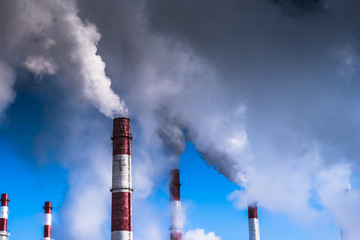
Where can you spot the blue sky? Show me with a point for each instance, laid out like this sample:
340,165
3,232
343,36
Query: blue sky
29,186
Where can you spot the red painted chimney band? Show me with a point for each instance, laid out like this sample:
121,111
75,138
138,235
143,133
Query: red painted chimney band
47,231
254,231
121,212
121,136
48,207
3,224
252,211
175,185
4,200
175,236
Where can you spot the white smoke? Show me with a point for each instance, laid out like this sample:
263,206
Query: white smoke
7,79
40,66
148,220
48,37
88,199
336,196
199,234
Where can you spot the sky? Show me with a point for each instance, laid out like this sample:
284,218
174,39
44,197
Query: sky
254,100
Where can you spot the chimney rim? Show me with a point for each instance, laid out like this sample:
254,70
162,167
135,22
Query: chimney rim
128,118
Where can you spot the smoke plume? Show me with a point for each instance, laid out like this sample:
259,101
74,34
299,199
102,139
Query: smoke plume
47,38
266,90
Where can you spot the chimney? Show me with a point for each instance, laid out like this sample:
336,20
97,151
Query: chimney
4,216
254,232
47,221
175,206
121,208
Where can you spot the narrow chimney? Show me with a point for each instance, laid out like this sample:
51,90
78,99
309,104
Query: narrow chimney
175,206
254,232
4,216
47,221
121,209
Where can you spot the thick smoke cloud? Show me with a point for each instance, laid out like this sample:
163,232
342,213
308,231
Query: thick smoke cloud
270,98
47,37
280,90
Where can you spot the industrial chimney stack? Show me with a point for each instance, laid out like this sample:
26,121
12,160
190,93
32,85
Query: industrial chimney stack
254,232
121,209
4,216
175,206
47,221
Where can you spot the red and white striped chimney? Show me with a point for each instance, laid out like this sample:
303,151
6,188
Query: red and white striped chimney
4,216
121,209
175,206
254,232
47,221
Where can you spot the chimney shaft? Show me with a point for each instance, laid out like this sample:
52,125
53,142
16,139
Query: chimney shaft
175,206
47,221
254,232
121,209
4,216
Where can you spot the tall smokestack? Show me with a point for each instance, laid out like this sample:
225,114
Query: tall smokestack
254,232
4,216
47,221
121,209
175,206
